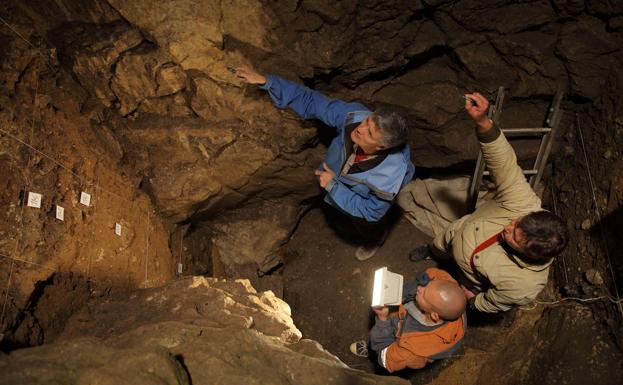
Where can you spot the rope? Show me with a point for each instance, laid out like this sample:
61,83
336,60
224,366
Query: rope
17,33
562,255
39,51
27,262
583,300
147,245
597,212
49,157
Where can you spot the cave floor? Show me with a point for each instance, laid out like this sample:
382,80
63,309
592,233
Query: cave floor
329,290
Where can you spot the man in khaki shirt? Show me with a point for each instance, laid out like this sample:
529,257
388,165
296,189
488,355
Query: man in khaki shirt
505,248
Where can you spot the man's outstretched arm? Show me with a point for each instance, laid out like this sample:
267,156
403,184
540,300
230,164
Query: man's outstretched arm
306,102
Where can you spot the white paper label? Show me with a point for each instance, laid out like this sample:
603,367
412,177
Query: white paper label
60,213
85,198
118,229
180,268
34,199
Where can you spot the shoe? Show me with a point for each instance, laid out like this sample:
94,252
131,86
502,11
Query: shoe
359,348
364,253
421,253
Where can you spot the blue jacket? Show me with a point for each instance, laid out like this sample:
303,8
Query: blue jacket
368,194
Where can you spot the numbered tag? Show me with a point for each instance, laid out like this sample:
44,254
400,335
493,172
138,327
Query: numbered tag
34,199
85,198
180,268
60,213
118,229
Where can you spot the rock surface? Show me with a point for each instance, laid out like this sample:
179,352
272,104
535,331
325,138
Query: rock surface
196,330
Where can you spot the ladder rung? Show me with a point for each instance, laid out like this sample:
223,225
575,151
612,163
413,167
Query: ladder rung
525,172
526,131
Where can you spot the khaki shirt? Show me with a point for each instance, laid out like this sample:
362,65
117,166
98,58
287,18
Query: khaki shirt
503,279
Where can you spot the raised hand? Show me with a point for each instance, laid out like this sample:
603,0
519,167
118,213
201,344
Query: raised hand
477,106
250,75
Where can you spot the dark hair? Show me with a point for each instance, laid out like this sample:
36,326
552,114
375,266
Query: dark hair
393,127
546,235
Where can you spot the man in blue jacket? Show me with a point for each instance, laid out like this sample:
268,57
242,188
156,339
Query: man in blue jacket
367,163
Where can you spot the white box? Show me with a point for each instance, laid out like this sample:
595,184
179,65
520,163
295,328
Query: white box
387,288
85,198
34,199
60,213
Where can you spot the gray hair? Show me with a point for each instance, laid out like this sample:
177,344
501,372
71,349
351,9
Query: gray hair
393,127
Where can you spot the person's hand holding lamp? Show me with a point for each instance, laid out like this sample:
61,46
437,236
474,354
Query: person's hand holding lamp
381,312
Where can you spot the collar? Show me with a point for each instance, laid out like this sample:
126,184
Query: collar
512,255
416,313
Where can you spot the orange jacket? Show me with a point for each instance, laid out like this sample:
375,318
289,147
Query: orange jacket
414,349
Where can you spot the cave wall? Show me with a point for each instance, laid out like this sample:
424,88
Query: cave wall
586,187
52,145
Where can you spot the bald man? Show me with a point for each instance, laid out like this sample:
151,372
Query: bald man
429,325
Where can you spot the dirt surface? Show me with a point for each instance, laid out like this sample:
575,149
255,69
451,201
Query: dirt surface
329,290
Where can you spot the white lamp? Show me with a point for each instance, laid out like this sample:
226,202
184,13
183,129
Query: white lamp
387,288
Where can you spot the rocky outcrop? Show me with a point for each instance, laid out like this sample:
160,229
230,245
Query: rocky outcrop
196,330
202,140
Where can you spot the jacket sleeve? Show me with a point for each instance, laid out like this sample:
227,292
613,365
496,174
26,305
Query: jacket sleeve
397,358
382,334
494,300
512,189
309,104
371,208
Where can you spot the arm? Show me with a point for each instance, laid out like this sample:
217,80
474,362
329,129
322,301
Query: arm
512,188
371,208
391,355
304,101
383,332
494,300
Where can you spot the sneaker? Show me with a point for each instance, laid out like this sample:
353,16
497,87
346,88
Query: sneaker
359,348
421,253
366,252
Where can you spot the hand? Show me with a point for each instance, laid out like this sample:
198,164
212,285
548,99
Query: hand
324,176
468,293
477,106
249,75
381,312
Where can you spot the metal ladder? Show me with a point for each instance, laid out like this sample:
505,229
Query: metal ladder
546,133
